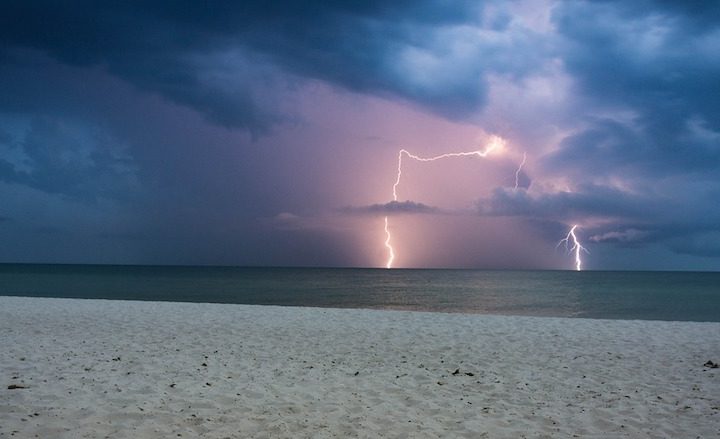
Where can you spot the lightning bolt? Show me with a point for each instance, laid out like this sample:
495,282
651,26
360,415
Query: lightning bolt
391,252
496,144
519,169
576,246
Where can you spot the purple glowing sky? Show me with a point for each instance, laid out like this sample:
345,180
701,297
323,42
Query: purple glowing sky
256,134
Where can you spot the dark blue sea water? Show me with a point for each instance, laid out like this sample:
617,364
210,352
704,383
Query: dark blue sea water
693,296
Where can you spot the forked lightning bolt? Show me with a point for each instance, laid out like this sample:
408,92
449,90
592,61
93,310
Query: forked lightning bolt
576,246
496,143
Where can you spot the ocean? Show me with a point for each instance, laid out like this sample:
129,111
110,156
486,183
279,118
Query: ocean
683,296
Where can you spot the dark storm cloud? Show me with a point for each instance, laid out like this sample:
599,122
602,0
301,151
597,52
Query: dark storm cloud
393,207
645,74
587,201
211,56
658,63
109,102
66,160
610,148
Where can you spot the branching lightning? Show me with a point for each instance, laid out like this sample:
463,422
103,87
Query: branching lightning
496,144
576,246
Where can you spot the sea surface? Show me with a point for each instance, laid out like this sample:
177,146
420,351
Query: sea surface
688,296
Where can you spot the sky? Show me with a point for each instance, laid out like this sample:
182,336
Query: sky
267,133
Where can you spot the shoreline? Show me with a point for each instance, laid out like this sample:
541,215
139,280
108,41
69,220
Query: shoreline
390,308
98,367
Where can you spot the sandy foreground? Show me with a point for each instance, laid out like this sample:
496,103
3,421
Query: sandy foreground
96,368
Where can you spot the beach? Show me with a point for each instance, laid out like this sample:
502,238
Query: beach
75,368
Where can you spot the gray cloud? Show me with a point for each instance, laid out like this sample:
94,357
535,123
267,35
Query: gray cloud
654,64
610,148
588,202
393,208
624,236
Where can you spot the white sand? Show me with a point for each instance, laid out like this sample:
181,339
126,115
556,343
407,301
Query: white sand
97,369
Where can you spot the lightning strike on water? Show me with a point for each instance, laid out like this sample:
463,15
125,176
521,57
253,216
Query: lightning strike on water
519,169
576,247
391,252
496,144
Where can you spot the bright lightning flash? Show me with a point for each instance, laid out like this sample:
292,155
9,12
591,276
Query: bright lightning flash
496,145
391,256
576,246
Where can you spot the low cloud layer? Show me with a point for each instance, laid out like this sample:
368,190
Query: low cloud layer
393,208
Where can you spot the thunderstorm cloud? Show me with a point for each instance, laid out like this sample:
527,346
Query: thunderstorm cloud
186,132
